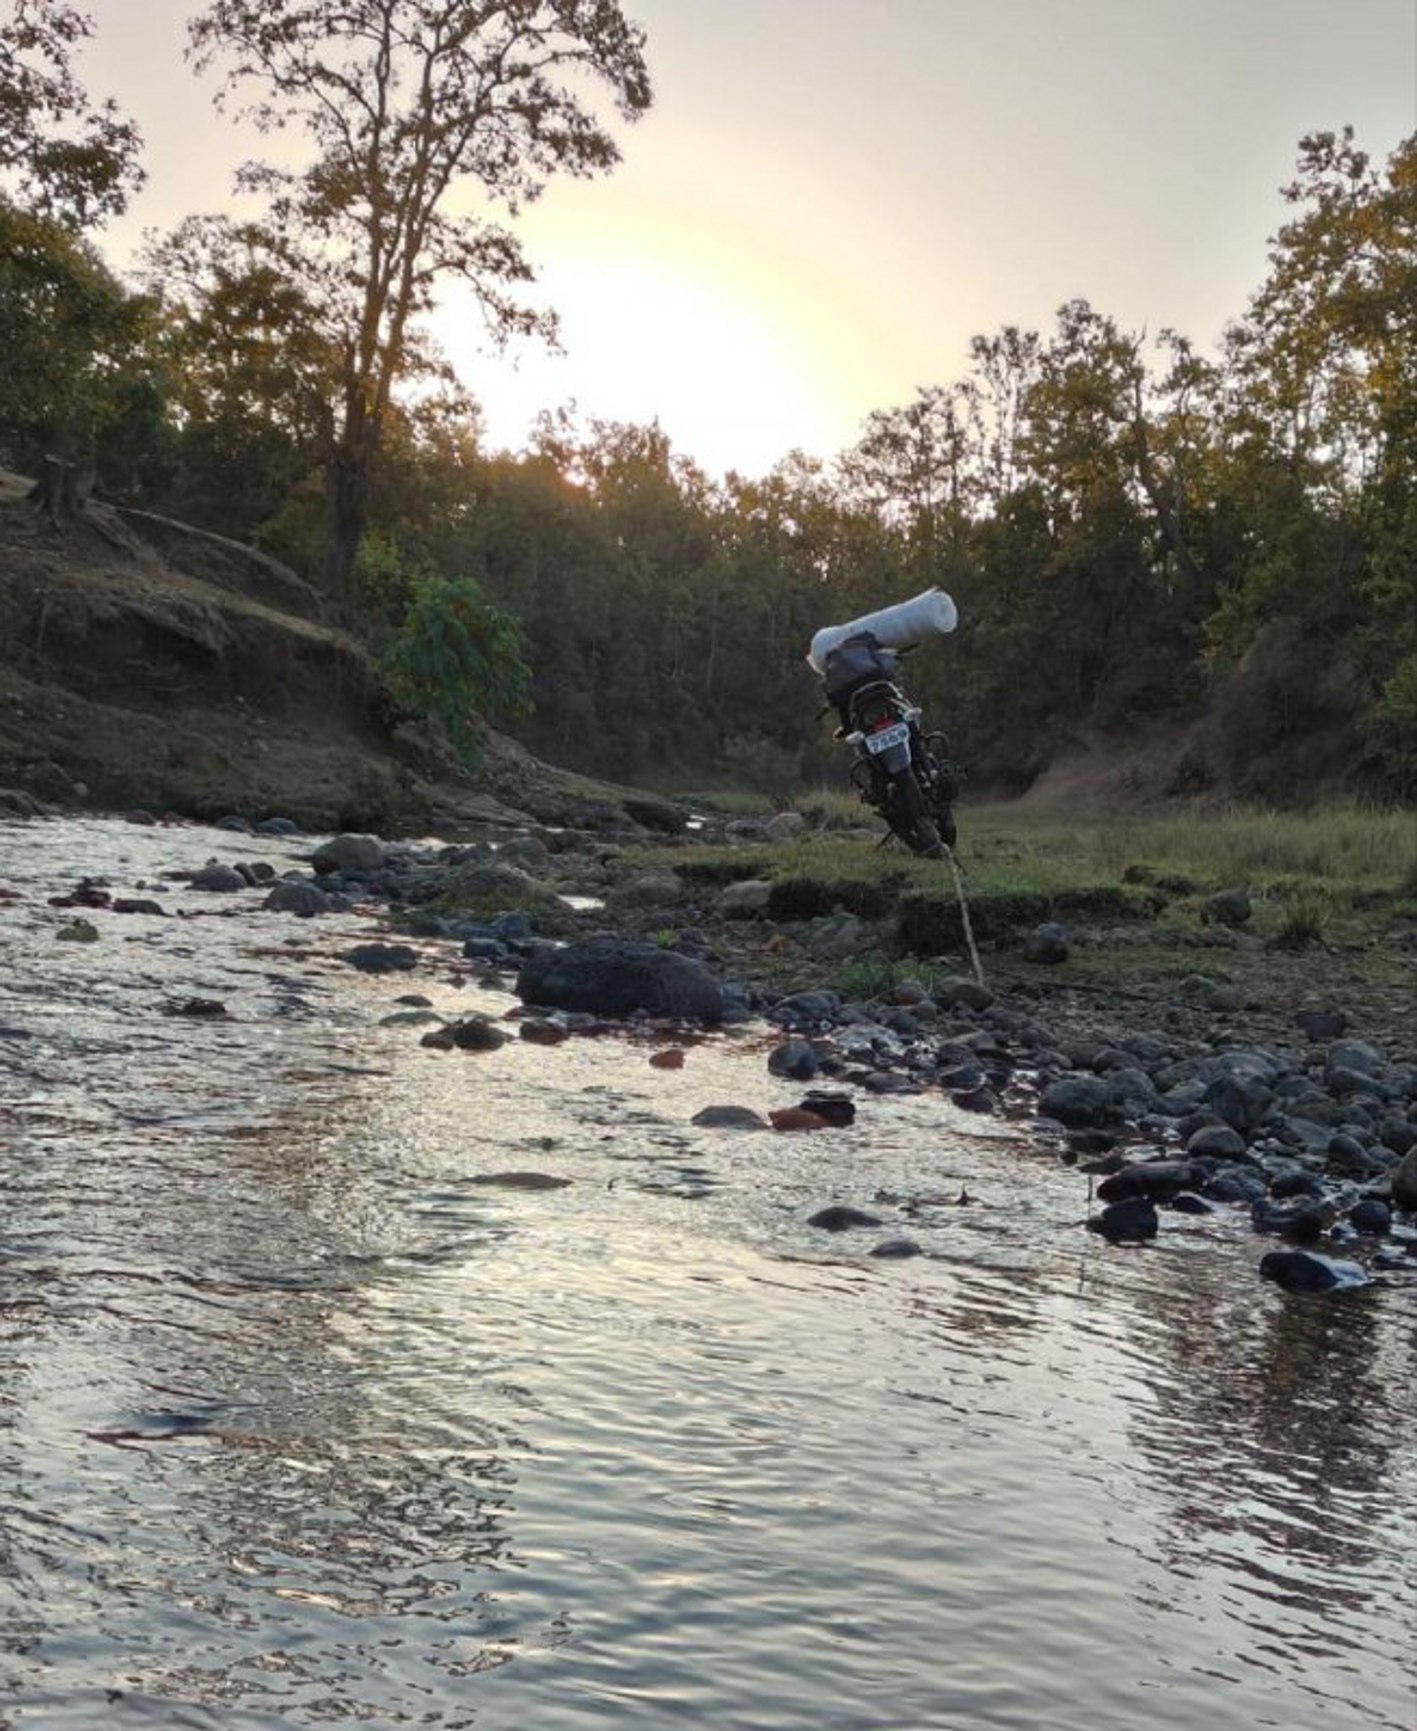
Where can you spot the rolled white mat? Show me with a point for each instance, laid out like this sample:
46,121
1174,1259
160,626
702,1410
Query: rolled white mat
930,614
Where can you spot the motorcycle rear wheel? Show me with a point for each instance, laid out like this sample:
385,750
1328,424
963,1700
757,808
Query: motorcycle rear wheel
906,814
944,774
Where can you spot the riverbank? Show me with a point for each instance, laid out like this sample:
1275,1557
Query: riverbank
148,665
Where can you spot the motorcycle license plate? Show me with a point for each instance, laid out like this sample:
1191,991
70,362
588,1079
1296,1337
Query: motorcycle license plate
887,737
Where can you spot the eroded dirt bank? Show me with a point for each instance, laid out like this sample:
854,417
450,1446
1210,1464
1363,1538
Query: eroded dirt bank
147,664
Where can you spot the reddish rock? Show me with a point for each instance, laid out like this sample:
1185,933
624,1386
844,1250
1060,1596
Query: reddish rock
796,1118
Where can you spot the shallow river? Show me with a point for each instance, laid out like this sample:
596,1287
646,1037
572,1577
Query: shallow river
302,1426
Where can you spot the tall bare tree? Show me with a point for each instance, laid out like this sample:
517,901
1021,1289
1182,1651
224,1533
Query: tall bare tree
425,116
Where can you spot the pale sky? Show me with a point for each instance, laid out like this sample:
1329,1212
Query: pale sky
831,197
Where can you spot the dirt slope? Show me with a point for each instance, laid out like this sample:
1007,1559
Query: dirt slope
144,663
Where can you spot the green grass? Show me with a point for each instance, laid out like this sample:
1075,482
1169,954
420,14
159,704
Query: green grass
992,865
1328,884
874,974
1340,858
1342,850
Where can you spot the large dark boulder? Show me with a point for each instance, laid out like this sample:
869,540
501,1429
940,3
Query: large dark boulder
615,977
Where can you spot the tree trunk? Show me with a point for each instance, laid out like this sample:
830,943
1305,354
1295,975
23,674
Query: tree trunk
62,490
1169,519
346,509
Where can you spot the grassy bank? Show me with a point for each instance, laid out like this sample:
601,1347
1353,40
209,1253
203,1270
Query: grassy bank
1343,849
1348,853
1332,894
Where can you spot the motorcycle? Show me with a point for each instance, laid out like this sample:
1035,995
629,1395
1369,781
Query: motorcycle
907,775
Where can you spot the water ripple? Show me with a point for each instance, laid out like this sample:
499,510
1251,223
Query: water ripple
347,1383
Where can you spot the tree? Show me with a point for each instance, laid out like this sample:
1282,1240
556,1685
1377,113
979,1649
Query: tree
457,657
912,465
66,326
1005,369
63,157
1321,434
412,106
253,375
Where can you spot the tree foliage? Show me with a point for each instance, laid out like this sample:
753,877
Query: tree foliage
67,331
457,658
424,115
1133,531
62,156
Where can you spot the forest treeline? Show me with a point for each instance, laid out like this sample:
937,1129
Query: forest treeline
1134,530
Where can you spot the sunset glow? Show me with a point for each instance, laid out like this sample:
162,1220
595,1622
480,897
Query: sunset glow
818,214
740,353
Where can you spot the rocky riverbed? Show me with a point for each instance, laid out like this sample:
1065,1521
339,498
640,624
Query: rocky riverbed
1311,1136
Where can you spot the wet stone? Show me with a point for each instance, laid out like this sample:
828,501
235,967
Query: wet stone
542,1031
614,977
1234,1184
349,853
795,1059
805,1009
218,878
1217,1142
1186,1202
1131,1221
477,1034
795,1118
729,1118
1153,1178
198,1009
520,1181
836,1109
1370,1218
77,932
1306,1271
888,1082
1286,1182
381,958
1300,1222
841,1217
293,896
1240,1101
1078,1101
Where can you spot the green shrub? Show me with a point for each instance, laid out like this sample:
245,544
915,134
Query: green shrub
457,658
873,974
1304,921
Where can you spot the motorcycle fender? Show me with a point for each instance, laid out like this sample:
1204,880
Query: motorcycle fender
892,762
